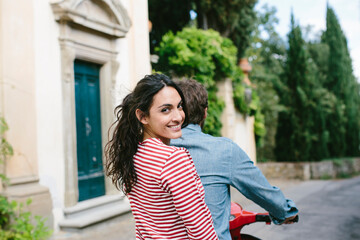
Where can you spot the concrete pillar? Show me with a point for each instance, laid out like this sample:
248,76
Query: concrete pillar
236,126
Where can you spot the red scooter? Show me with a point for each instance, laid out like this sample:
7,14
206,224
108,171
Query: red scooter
240,217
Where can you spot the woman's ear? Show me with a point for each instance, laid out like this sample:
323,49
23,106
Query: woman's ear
141,116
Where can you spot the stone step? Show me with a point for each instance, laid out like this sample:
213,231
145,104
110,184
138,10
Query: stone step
91,212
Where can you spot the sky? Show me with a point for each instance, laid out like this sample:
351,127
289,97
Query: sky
313,12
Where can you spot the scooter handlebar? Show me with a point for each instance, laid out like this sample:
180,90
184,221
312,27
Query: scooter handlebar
262,218
266,218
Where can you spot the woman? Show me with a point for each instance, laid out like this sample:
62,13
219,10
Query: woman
164,190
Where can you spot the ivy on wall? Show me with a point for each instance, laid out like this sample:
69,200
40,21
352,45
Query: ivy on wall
247,102
6,149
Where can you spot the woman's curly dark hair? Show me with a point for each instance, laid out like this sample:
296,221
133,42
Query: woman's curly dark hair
128,130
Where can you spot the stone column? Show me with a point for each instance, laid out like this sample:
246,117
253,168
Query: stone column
249,142
236,126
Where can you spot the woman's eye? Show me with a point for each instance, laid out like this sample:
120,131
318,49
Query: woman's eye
180,106
164,110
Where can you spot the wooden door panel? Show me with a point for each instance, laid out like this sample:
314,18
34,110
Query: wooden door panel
88,130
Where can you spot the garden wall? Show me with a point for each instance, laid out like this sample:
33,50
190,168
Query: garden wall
338,168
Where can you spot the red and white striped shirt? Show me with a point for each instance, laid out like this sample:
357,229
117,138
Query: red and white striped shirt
167,200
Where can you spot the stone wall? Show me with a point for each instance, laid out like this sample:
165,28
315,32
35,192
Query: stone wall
311,170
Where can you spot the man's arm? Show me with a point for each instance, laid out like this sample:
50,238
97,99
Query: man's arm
249,180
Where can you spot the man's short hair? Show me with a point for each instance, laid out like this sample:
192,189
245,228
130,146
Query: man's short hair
196,98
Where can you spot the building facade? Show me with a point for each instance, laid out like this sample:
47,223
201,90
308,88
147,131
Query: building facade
64,66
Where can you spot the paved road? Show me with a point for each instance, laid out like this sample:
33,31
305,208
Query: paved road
328,210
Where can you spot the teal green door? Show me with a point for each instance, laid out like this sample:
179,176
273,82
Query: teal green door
88,130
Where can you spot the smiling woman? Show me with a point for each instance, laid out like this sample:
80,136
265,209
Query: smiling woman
163,187
166,116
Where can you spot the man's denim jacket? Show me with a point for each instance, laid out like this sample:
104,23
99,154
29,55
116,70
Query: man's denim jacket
220,164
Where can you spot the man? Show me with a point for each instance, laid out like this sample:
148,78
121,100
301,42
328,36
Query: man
221,163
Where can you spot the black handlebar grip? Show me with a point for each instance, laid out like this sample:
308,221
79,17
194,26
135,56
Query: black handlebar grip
266,218
262,218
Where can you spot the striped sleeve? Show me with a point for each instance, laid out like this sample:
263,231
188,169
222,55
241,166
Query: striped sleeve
180,179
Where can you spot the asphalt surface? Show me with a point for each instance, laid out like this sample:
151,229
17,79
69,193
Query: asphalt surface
329,209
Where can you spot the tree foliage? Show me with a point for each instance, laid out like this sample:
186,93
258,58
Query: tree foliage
207,57
204,56
302,133
266,54
166,15
321,96
233,19
307,93
292,137
342,83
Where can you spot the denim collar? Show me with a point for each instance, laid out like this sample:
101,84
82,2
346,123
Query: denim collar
193,127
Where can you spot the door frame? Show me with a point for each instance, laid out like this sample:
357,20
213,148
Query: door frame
88,30
107,82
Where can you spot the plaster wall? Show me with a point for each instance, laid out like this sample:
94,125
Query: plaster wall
19,90
245,137
1,63
49,104
1,67
2,168
134,50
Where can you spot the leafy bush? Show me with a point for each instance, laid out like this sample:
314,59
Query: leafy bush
207,57
204,56
5,148
15,222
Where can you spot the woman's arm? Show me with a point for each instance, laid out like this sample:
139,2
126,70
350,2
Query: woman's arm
180,179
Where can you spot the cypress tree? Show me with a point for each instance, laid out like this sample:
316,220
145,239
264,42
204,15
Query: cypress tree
302,133
344,123
293,137
323,101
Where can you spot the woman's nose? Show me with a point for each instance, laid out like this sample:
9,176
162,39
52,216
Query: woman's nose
178,115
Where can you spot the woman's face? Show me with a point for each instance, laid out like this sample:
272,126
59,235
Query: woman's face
165,117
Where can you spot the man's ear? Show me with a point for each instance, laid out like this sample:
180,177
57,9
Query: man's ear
141,116
205,114
203,120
